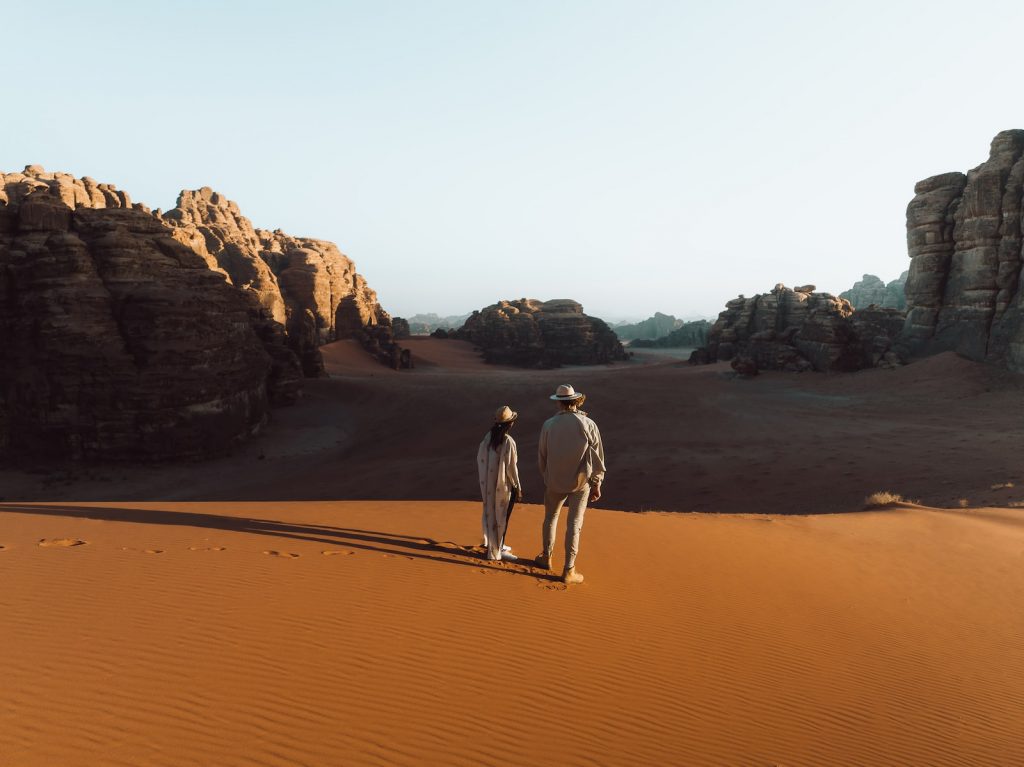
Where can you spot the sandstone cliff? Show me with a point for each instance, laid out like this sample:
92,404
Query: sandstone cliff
964,241
531,333
307,285
128,334
799,329
870,290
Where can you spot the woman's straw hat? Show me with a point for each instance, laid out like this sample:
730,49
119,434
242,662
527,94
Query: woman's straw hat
505,414
565,393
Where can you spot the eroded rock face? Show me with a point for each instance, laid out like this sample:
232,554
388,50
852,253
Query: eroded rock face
801,330
964,240
870,290
125,333
307,285
117,341
531,333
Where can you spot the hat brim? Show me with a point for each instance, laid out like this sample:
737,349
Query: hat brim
568,398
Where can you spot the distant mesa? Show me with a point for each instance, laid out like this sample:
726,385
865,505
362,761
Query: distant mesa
426,324
964,240
540,334
800,329
658,326
127,333
870,290
689,335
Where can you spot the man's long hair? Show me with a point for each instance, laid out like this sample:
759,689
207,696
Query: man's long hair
498,432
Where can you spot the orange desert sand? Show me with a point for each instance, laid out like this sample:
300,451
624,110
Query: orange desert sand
335,632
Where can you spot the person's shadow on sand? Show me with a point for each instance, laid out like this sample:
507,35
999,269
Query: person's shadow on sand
415,547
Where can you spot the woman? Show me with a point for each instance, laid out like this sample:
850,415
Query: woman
496,461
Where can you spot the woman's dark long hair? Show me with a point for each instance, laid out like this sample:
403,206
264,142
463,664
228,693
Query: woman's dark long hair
498,432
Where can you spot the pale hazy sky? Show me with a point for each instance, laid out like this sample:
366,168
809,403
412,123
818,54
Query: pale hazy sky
636,156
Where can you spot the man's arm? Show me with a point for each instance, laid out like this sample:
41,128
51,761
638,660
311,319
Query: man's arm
542,450
597,460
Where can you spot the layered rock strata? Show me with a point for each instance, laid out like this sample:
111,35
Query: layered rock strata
964,240
307,285
532,333
800,329
127,334
871,290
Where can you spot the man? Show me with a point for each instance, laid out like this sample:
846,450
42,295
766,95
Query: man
571,460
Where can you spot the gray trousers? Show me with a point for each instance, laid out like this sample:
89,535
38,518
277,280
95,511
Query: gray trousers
577,503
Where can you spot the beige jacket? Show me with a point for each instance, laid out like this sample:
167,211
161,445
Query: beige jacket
570,453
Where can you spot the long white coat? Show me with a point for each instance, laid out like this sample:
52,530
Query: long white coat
499,478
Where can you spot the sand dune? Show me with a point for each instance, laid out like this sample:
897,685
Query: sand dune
370,633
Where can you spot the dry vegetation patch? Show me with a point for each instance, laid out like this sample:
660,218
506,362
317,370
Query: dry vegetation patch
882,498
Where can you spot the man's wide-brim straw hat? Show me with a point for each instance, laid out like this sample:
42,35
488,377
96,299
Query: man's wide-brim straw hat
505,414
565,393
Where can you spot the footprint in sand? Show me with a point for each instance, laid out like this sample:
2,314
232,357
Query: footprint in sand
2,547
335,552
206,548
148,551
285,554
61,543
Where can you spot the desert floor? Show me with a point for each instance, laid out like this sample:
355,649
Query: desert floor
316,597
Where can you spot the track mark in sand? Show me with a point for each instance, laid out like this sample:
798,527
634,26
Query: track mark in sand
207,548
147,551
335,552
285,554
2,547
551,585
61,543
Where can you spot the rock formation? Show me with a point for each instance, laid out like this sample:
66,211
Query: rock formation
799,329
128,334
964,240
531,333
307,285
871,290
689,334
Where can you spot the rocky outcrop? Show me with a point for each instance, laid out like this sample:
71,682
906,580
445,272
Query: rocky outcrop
307,285
689,334
531,333
964,240
116,340
800,329
128,334
657,326
872,291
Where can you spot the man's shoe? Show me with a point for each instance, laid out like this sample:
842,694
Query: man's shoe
543,561
570,576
